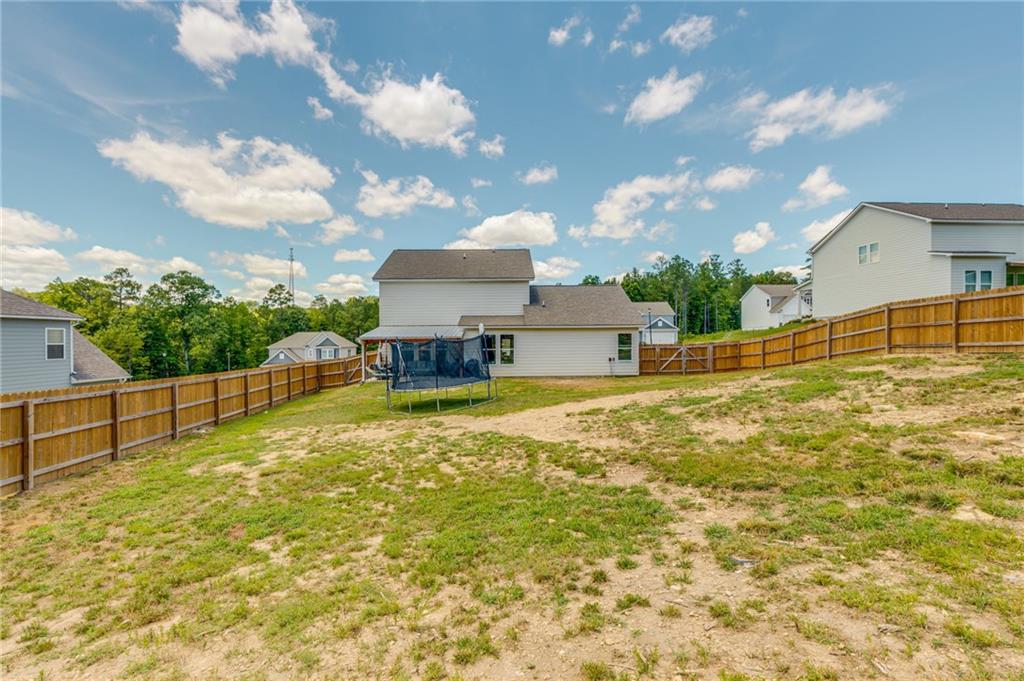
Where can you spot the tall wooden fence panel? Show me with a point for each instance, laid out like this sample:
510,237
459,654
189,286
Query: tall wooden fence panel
981,321
48,434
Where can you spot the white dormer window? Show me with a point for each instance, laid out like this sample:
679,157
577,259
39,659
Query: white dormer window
55,343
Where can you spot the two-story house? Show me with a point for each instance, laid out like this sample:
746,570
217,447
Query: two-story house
766,305
40,349
883,252
529,330
657,323
308,346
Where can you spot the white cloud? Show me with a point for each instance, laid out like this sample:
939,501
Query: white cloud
817,189
337,229
560,35
280,231
235,183
610,108
797,271
255,289
632,17
640,48
618,215
259,265
652,257
375,233
542,174
494,147
477,182
704,203
742,13
819,228
792,246
664,97
110,258
234,274
806,112
469,203
753,240
690,34
683,160
22,228
30,267
360,255
588,37
518,228
732,178
430,114
342,286
320,112
706,254
159,240
399,195
555,267
615,45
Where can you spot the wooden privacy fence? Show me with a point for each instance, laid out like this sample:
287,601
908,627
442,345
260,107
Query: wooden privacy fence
982,321
45,435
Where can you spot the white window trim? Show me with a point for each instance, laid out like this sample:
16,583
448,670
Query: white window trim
867,253
494,348
497,350
975,284
991,279
618,347
47,343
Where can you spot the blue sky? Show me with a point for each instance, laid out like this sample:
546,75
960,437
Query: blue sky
600,135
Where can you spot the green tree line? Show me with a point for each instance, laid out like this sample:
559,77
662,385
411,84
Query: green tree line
706,295
183,325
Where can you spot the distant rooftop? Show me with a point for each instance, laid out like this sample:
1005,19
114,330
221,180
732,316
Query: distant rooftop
13,305
509,263
567,306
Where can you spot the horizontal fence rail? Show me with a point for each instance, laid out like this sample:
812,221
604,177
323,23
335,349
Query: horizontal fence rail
48,434
981,321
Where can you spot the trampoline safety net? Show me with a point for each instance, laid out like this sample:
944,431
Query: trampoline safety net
438,364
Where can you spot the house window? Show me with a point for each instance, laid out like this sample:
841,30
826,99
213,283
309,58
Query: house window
986,280
508,349
55,344
625,347
424,352
970,281
1015,278
868,253
489,346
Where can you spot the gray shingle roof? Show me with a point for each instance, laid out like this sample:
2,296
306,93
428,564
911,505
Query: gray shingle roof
655,308
567,306
304,338
966,212
91,364
777,289
508,263
13,305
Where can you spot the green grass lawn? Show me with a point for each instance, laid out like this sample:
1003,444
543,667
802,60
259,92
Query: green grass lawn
741,334
870,510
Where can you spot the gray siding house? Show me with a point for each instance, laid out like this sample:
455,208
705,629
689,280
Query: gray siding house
882,252
657,323
40,349
528,330
307,346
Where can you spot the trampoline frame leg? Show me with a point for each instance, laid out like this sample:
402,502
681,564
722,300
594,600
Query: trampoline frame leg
471,394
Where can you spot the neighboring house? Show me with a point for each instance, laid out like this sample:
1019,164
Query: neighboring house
528,330
764,306
657,323
40,349
307,346
882,252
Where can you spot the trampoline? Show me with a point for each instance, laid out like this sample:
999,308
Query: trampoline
438,365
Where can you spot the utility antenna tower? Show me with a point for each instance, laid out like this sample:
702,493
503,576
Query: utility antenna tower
291,274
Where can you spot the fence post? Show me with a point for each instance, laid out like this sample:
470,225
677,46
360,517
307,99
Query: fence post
762,352
888,332
216,401
245,388
956,325
792,347
174,410
711,358
28,457
289,382
828,339
115,425
319,376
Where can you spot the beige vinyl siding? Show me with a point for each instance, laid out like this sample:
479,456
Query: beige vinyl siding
568,352
23,363
754,310
979,237
997,266
904,270
405,303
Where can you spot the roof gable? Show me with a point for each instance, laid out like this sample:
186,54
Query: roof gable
92,364
469,264
13,305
